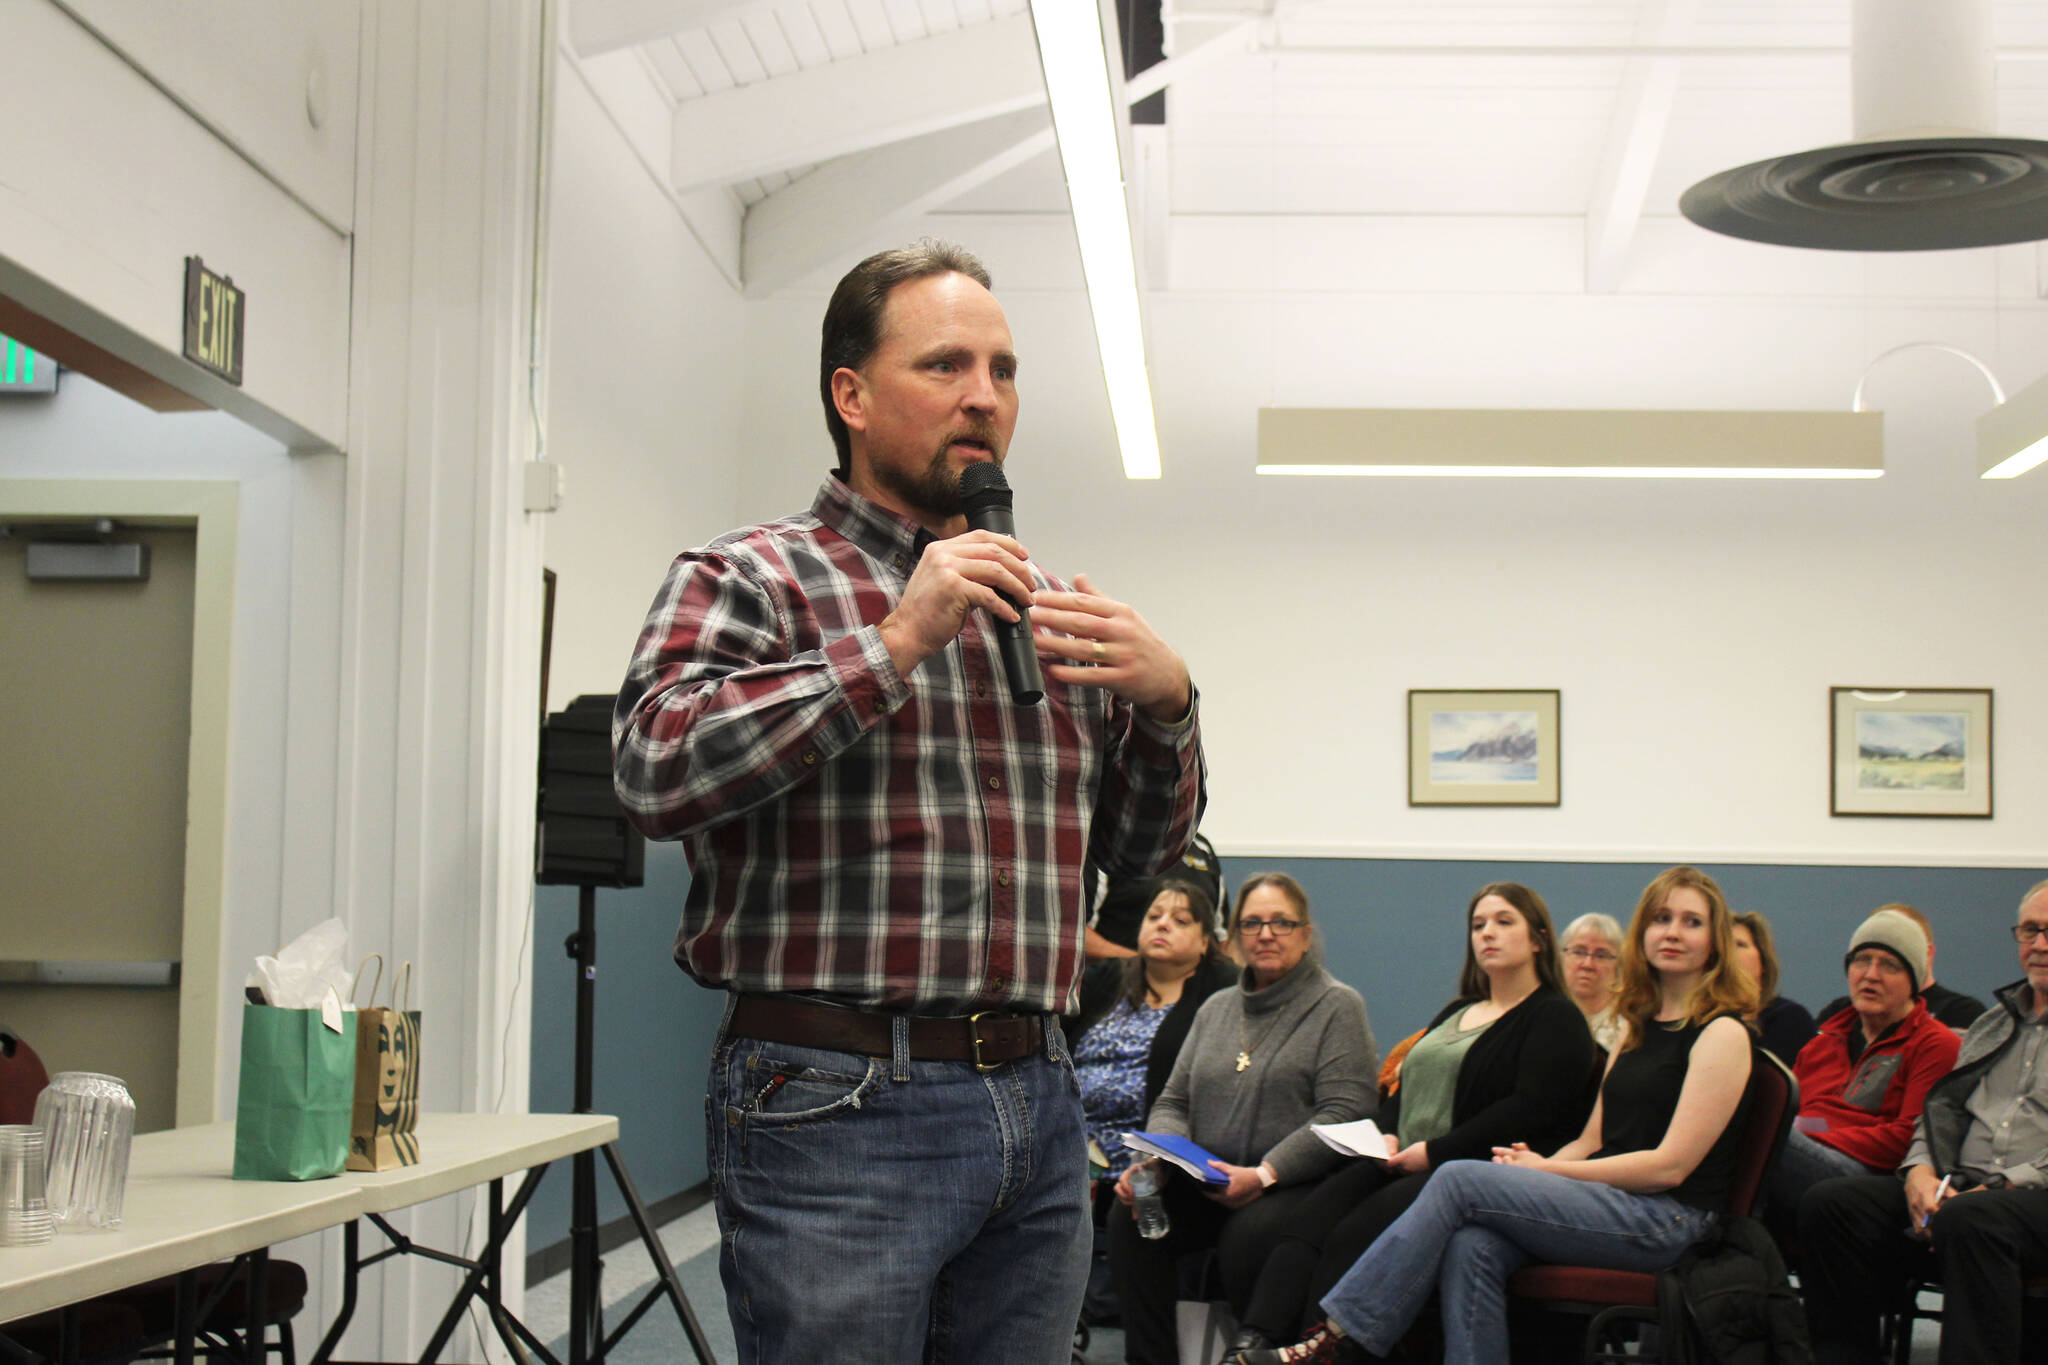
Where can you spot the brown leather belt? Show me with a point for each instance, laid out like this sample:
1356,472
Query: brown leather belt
987,1039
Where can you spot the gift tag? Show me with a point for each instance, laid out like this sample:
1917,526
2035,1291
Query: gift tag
330,1010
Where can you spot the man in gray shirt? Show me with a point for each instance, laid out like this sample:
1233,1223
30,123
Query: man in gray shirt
1971,1204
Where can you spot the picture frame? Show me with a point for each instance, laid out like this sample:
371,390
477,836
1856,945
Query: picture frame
1910,751
1472,747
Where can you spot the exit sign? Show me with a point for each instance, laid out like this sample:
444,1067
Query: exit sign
24,371
213,321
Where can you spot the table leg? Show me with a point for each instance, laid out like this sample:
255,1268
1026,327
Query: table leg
351,1263
187,1316
256,1338
474,1281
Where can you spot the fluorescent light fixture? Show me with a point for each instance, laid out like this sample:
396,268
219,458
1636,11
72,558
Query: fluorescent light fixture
1072,50
2013,437
1509,443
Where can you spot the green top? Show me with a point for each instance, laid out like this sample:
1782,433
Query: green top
1429,1079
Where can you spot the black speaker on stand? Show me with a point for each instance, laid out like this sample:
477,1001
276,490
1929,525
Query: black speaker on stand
586,842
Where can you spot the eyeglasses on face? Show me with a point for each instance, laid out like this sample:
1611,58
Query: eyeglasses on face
1590,954
1282,928
2028,932
1884,962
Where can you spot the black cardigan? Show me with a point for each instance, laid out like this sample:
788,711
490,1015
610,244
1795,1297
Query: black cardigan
1102,985
1528,1078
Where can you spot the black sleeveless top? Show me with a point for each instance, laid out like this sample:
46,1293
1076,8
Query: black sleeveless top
1639,1098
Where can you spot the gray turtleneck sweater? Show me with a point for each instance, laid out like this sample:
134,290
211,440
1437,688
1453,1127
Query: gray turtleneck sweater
1312,1061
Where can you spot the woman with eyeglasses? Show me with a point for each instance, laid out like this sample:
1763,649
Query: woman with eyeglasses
1288,1046
1592,951
1510,1058
1647,1178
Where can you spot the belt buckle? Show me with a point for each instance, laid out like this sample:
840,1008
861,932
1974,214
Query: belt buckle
974,1041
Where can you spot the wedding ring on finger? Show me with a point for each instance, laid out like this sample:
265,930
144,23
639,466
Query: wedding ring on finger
1100,652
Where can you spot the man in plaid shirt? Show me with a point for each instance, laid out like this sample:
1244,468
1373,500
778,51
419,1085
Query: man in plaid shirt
886,855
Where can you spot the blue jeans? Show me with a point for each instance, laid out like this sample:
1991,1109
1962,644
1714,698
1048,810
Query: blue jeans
1475,1225
1802,1163
878,1209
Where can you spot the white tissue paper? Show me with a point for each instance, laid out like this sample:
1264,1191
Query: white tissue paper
307,969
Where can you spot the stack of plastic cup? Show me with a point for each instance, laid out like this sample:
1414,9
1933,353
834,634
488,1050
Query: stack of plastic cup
88,1123
24,1211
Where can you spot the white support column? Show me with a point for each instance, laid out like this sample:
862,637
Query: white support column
440,580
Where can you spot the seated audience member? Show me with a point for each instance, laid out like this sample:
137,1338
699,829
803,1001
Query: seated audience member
1865,1075
1286,1047
1135,1013
1644,1181
1784,1025
1121,902
1953,1008
1592,951
1509,1058
1975,1191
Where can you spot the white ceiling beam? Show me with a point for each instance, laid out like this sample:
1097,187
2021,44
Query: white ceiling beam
600,26
801,226
632,100
885,96
1635,138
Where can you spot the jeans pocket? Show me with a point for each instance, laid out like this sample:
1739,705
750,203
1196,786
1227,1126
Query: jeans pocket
790,1094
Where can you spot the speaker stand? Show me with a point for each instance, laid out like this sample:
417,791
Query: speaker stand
588,1342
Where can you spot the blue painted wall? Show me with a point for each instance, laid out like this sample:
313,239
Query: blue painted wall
1394,929
654,1032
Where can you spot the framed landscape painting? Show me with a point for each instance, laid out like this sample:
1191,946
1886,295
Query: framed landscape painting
1470,748
1910,751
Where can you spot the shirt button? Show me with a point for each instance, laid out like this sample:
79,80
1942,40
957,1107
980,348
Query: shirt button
981,689
995,784
900,563
1003,877
810,756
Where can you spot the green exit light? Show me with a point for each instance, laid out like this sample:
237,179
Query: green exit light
24,371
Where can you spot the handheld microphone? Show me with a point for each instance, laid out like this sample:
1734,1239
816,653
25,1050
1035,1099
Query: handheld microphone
985,498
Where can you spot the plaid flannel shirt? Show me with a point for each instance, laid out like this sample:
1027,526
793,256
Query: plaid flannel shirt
909,844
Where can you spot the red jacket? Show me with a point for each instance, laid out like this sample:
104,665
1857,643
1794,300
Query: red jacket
1871,1108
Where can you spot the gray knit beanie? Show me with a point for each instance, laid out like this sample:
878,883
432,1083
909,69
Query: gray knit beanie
1897,935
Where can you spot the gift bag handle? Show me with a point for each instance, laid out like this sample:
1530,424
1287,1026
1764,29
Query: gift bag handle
401,987
375,981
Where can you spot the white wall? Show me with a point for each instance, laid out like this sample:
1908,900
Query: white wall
645,353
1693,628
118,185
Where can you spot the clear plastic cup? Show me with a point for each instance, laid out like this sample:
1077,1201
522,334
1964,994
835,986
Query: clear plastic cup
24,1208
88,1125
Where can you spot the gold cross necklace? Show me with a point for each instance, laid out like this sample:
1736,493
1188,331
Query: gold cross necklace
1244,1047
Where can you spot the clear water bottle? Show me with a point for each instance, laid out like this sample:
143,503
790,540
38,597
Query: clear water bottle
1147,1206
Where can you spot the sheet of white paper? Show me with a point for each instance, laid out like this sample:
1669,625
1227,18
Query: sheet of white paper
1361,1137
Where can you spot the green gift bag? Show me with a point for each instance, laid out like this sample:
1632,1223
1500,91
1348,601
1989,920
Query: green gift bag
298,1084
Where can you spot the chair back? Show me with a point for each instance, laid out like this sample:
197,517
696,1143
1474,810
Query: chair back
1773,1104
22,1078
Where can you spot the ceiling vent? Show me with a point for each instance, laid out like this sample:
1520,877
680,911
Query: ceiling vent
1921,175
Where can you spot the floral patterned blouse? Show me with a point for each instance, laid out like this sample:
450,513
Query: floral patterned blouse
1110,1063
